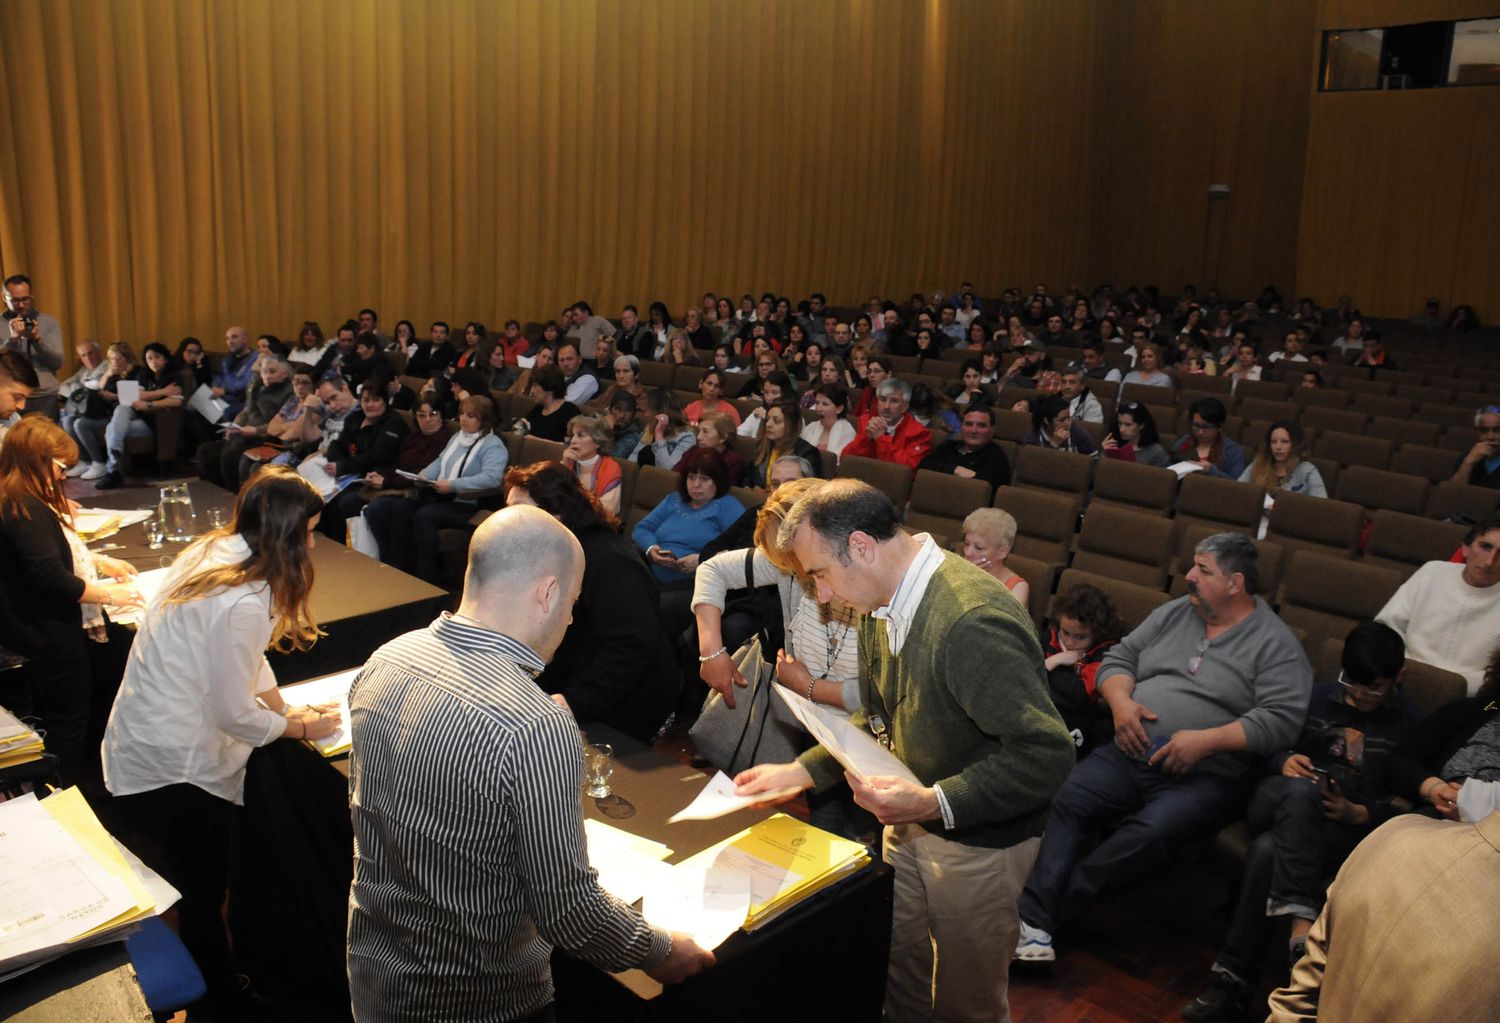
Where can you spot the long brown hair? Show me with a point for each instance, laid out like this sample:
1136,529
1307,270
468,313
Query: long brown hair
791,415
1263,469
271,514
27,470
555,490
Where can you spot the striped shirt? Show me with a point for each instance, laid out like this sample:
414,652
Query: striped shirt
469,859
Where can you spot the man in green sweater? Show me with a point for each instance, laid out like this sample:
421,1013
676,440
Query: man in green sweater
952,683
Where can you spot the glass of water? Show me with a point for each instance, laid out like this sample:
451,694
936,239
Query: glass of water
155,532
217,517
598,767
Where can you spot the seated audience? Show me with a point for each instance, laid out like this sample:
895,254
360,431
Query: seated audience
1132,436
891,434
1084,628
310,347
367,443
711,387
972,453
418,448
616,664
219,460
546,356
1205,677
1148,369
1280,464
1328,791
433,356
667,436
830,431
1291,349
586,455
878,369
1481,466
627,381
1449,614
550,416
191,360
1372,353
716,431
160,388
1450,747
778,439
1084,407
773,390
1246,365
1205,443
472,462
988,536
1052,426
81,389
624,423
580,384
674,532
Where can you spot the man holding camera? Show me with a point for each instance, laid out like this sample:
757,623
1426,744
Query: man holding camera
36,337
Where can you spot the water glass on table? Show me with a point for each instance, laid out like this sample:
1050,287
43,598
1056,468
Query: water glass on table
598,767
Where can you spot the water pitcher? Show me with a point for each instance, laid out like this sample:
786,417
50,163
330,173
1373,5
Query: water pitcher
179,521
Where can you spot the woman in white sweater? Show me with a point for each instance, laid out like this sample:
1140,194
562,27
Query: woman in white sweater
198,696
831,431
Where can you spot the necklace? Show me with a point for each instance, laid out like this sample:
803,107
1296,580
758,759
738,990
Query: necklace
845,622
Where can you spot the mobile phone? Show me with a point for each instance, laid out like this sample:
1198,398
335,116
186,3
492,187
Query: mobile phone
1323,780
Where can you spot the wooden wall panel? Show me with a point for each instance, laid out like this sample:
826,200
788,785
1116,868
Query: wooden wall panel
170,166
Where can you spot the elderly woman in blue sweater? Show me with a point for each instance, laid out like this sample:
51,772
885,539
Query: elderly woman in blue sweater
473,462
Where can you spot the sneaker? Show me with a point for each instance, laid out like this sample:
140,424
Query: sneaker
1035,945
1226,1001
77,469
109,481
95,471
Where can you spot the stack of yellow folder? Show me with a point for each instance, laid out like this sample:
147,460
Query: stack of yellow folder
787,859
65,883
18,743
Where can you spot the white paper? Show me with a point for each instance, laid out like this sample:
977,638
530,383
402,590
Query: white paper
51,889
149,585
91,520
1183,468
852,747
717,799
329,689
206,405
709,904
129,391
416,478
627,864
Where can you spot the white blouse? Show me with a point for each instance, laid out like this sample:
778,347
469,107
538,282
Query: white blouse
838,439
186,710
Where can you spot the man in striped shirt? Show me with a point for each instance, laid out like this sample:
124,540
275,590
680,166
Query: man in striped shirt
465,782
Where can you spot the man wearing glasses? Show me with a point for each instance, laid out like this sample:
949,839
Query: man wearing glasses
1328,792
1204,680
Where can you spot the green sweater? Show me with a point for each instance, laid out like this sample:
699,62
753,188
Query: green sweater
967,707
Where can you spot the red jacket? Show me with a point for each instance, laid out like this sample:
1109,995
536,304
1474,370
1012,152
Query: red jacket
907,446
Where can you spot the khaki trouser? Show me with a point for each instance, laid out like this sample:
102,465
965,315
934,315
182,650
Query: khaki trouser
954,926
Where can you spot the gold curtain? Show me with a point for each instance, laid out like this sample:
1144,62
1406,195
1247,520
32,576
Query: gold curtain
169,167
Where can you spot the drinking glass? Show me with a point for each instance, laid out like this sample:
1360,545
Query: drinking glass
155,532
217,517
598,767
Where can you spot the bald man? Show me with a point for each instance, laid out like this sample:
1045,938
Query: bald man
465,782
235,367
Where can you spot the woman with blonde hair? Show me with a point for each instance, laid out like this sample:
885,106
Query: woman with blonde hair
1281,464
590,438
988,536
52,597
198,696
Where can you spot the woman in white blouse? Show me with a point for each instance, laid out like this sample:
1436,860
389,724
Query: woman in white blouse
198,696
831,431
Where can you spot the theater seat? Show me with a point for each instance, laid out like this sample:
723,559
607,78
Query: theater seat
1450,500
1317,524
1425,688
1134,486
1044,521
1326,597
1045,469
1127,545
1407,542
1132,602
1434,464
940,502
651,488
1041,578
1374,489
1223,504
893,479
1353,449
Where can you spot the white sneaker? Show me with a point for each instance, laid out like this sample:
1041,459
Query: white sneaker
95,471
77,469
1035,945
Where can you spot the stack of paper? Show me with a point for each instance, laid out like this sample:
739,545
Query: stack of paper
626,863
18,743
328,689
785,860
148,585
65,883
96,523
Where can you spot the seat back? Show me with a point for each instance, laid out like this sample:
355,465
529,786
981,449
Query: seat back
1382,405
535,449
1403,432
1317,524
1434,464
1407,542
652,486
893,479
1341,420
1353,449
1451,500
1044,521
657,374
1046,469
1041,579
1132,602
1374,489
940,502
1131,484
1128,545
1227,503
1326,597
1269,556
1264,390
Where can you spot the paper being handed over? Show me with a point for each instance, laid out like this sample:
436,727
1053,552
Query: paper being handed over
850,745
718,799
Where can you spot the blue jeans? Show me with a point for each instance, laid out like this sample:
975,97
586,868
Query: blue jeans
1296,848
124,424
1165,811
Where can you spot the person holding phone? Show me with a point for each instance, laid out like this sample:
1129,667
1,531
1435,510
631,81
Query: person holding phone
1329,791
198,696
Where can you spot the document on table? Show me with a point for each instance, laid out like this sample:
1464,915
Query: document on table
710,903
329,689
717,799
1183,468
626,863
129,391
96,523
149,584
851,746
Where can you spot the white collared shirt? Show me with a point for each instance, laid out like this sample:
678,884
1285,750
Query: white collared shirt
187,711
898,614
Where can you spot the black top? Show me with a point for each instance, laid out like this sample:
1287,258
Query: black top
1479,476
553,427
616,664
39,594
988,463
800,448
1434,740
425,359
363,447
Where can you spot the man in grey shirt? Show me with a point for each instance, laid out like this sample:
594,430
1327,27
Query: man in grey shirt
36,337
1203,681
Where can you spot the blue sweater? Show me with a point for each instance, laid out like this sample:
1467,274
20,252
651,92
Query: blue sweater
678,527
482,470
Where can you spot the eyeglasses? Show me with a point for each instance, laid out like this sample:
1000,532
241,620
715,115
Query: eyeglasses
429,415
1197,660
1198,425
1360,687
